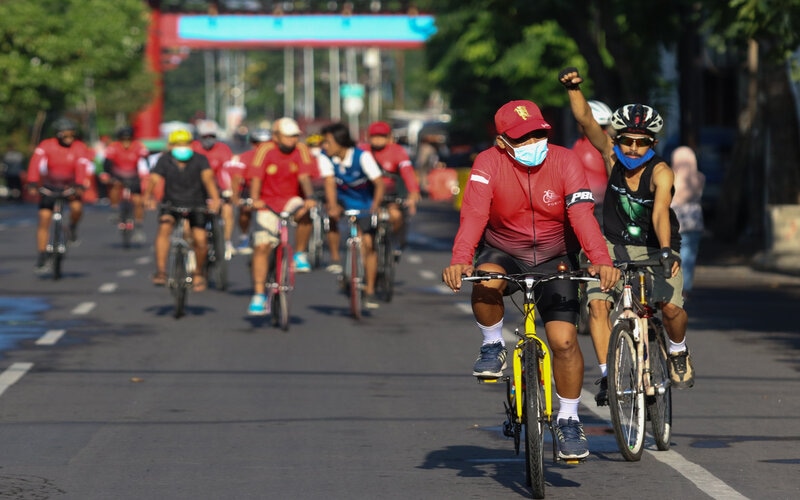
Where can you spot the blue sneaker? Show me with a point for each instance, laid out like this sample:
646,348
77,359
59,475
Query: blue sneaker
301,264
491,362
259,305
244,248
572,443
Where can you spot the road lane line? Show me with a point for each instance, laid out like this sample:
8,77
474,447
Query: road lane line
427,274
12,374
84,308
50,337
107,288
126,273
142,260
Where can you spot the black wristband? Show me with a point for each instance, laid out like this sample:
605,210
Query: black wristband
666,252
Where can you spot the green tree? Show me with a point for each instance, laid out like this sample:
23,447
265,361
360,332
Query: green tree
62,56
766,166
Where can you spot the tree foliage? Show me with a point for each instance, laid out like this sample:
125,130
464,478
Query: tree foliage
56,52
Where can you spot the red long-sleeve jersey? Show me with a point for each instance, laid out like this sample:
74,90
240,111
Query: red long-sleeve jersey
394,161
534,214
55,165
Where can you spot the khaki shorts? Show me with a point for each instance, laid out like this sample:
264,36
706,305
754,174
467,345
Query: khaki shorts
267,227
662,289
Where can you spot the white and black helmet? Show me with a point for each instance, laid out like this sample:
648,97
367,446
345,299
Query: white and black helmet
601,112
637,118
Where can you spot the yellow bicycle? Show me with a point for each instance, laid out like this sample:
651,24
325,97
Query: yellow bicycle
529,390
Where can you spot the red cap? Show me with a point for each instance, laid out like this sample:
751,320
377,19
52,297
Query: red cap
517,118
380,128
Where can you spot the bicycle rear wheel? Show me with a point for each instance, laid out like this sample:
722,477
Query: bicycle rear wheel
356,274
625,400
659,406
177,282
532,415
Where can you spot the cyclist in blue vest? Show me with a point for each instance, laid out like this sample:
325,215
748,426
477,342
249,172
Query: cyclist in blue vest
352,182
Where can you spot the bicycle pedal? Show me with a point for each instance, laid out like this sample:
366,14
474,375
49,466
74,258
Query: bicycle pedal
488,380
574,461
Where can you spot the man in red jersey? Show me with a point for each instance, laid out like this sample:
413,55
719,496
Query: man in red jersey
527,207
280,170
219,156
121,169
58,163
396,166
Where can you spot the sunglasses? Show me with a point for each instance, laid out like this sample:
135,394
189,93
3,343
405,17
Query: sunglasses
632,142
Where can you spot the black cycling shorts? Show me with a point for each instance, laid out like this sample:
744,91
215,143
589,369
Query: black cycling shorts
132,183
196,218
556,300
49,202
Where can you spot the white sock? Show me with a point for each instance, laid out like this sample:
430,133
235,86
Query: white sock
492,334
677,347
568,408
603,370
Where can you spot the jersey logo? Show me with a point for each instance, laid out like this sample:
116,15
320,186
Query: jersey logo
549,197
579,197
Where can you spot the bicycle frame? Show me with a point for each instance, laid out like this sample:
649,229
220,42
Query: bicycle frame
282,273
354,268
57,242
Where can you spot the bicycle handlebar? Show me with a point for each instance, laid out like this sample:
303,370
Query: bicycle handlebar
520,278
58,193
635,265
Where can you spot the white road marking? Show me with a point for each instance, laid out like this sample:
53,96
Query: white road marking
143,260
50,337
413,259
84,308
427,274
12,374
126,273
107,288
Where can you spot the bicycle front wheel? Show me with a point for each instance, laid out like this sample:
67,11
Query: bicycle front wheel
316,242
217,263
356,276
284,279
385,264
659,406
625,400
177,282
533,420
126,222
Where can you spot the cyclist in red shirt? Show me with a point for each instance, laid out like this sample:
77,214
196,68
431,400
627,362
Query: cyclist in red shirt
399,178
527,206
121,169
58,163
219,156
279,171
241,175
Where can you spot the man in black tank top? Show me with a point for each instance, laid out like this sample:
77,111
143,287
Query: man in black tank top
638,222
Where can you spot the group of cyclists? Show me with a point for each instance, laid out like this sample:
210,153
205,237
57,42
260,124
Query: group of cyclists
199,172
528,206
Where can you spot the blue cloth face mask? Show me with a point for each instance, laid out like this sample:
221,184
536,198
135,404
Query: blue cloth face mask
531,155
633,163
182,153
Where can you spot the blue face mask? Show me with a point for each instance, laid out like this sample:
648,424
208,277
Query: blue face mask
633,163
531,155
182,153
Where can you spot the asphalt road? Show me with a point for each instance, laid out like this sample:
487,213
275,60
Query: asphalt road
103,394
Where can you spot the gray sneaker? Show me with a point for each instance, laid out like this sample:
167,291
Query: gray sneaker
491,362
680,369
572,443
